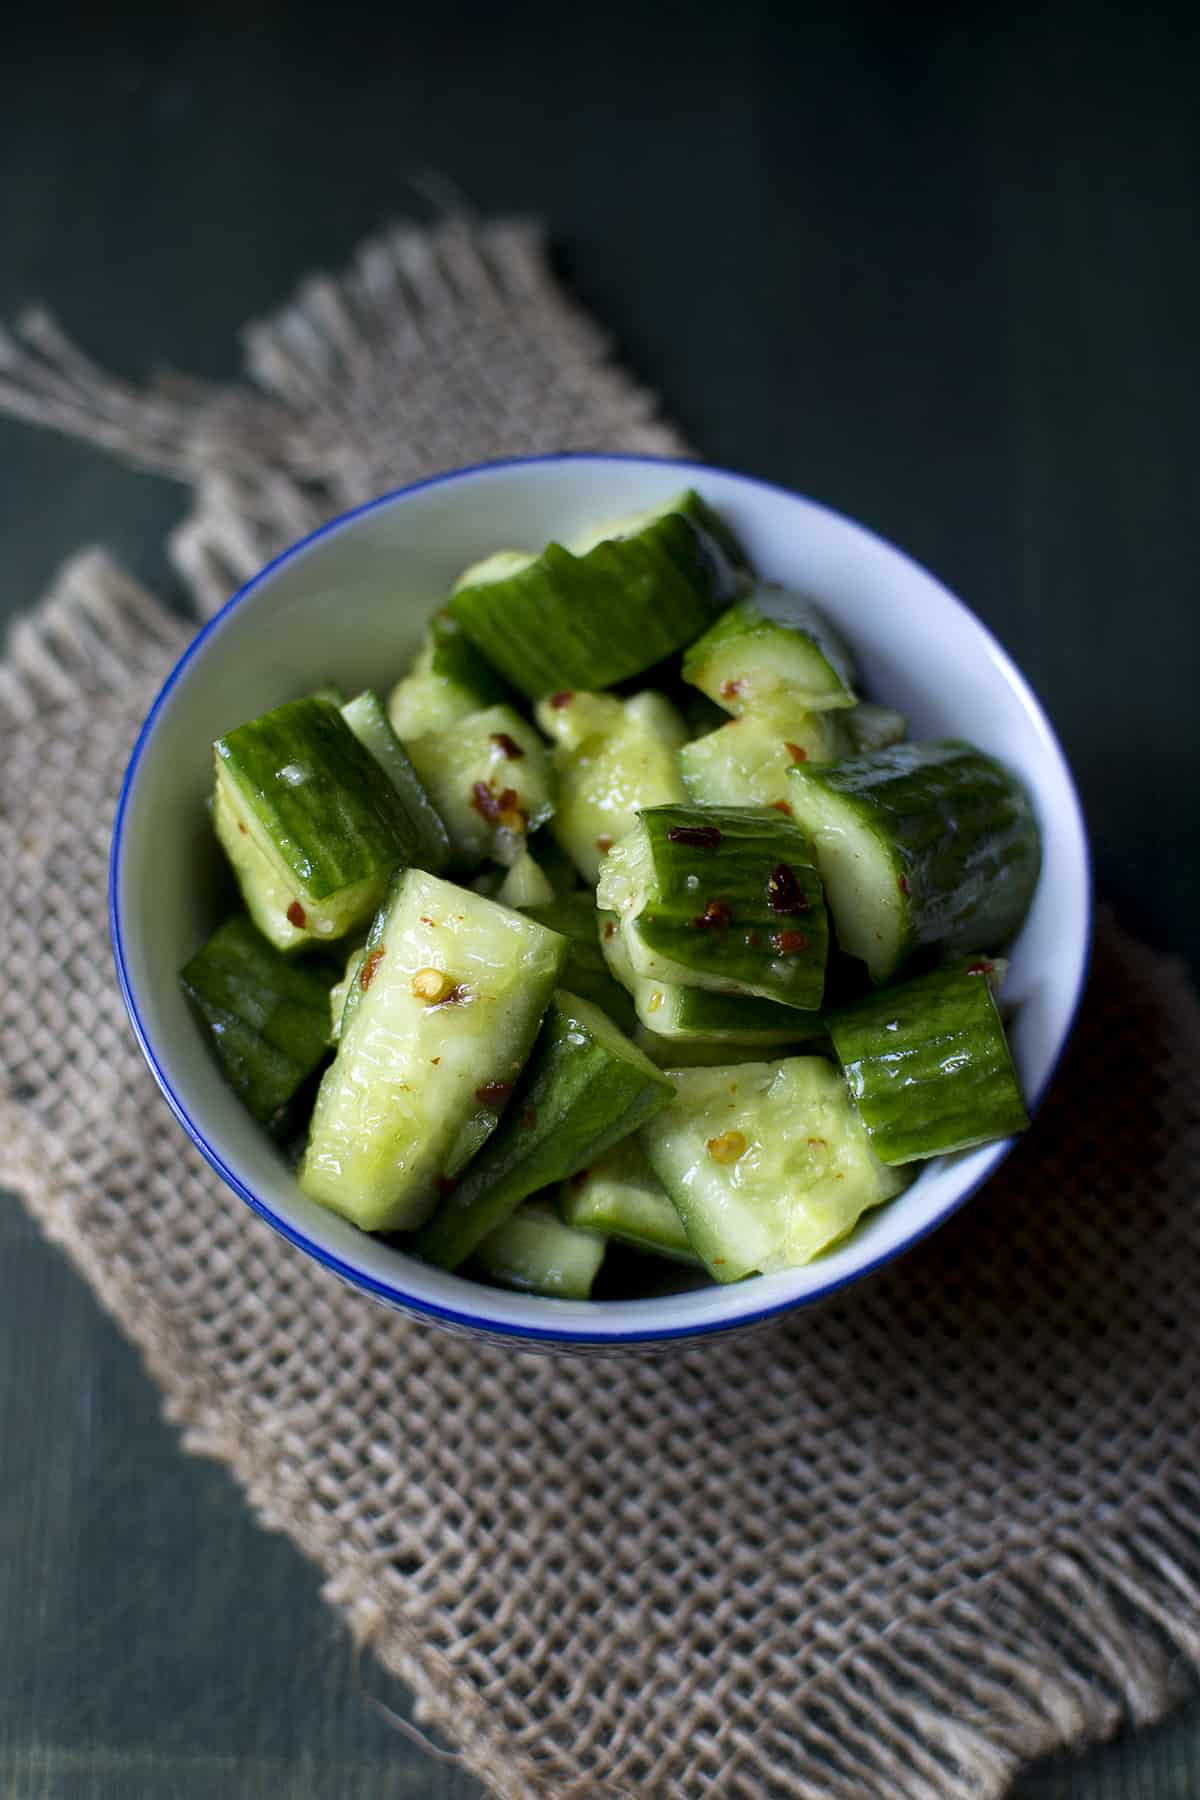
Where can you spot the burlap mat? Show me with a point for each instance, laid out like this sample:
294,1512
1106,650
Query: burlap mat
942,1524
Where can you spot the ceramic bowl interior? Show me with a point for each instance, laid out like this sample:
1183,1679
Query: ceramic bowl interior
349,604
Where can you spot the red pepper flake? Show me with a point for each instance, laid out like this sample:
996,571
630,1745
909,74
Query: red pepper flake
509,745
457,995
788,943
980,968
242,826
444,1185
752,938
730,689
816,1140
717,916
558,701
902,884
784,894
370,963
610,929
426,920
528,1118
797,752
783,807
435,1060
604,843
296,915
700,837
493,1094
484,801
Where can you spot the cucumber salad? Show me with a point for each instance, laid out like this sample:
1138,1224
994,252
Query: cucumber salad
624,944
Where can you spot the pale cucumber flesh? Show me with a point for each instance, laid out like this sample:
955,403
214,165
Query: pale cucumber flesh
768,1164
414,1075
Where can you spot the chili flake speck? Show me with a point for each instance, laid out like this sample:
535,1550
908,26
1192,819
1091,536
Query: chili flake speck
509,745
717,916
699,837
784,894
296,915
366,973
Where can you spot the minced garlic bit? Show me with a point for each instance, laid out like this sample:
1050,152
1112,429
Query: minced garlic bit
432,986
726,1148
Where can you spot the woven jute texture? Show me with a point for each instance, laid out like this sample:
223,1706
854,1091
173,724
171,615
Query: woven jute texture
944,1523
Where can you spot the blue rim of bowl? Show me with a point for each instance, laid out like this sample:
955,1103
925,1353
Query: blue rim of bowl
448,1315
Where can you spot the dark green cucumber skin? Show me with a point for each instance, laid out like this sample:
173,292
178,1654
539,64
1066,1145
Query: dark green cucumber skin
536,1252
427,838
771,606
962,832
340,826
265,1014
569,622
585,972
928,1065
456,659
725,1016
736,873
702,515
574,1100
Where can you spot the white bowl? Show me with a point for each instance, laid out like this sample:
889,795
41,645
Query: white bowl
348,604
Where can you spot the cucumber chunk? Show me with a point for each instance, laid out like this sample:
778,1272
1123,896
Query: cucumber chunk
524,885
928,1064
683,1015
266,1017
436,1027
866,727
773,646
585,1087
768,1164
610,759
430,845
564,621
489,778
919,844
448,681
619,1195
311,824
720,897
691,506
536,1252
586,971
746,761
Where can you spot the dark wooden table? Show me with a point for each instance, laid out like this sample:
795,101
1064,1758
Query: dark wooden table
937,269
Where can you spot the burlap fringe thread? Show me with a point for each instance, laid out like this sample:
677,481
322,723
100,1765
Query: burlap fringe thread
944,1525
362,384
